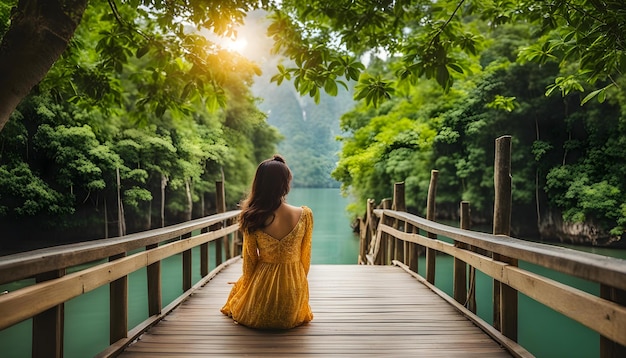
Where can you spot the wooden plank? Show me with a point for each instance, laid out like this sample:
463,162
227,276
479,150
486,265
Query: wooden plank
365,310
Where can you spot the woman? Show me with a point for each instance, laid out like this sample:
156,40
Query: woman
273,292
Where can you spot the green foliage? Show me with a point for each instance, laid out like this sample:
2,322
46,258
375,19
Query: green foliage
5,15
23,193
80,159
149,98
435,39
563,155
143,90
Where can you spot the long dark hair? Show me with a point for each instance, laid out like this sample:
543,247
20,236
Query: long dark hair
270,185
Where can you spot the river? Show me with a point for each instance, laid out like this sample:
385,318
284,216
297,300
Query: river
542,331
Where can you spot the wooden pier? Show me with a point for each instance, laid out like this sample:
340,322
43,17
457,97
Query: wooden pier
381,307
369,311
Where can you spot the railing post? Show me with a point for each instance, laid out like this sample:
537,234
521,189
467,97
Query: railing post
465,224
413,250
430,215
220,204
237,244
204,255
385,239
153,272
460,267
609,348
399,205
504,297
187,266
48,325
118,302
369,235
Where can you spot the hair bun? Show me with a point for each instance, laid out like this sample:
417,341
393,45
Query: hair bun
278,158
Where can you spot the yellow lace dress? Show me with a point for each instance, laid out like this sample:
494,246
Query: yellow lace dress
273,292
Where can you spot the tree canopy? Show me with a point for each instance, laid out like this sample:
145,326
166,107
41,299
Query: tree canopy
115,140
136,91
325,40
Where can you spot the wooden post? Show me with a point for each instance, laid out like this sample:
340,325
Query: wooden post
154,285
204,255
413,253
459,266
398,197
430,215
236,239
398,205
187,266
118,303
370,227
465,224
220,204
504,297
608,348
48,325
385,241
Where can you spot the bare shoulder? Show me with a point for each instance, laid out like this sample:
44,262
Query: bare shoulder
295,211
305,211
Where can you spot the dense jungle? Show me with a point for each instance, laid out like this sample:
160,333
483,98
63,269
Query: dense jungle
144,110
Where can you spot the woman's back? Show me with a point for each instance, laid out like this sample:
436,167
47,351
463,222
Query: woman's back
273,291
284,220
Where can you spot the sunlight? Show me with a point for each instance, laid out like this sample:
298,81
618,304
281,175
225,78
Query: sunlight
237,45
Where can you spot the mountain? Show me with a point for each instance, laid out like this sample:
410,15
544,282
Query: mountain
309,129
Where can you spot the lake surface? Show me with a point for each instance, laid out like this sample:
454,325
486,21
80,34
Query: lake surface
542,331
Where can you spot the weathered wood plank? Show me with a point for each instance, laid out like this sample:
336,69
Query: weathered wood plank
365,310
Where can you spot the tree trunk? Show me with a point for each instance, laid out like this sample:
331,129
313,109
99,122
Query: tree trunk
163,185
121,223
189,199
149,218
39,33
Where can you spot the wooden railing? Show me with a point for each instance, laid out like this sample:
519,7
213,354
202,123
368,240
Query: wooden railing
114,259
394,237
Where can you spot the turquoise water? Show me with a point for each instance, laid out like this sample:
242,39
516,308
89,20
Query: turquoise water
333,240
542,331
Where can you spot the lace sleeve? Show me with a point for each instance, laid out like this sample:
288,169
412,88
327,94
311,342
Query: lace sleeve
250,256
306,241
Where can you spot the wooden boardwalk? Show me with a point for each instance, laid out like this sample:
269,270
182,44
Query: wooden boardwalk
369,311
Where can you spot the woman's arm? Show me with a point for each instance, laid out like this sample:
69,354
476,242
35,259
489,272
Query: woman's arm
305,255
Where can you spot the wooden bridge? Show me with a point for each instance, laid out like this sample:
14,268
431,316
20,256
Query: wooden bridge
380,307
359,310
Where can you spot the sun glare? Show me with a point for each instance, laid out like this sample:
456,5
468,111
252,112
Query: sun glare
237,45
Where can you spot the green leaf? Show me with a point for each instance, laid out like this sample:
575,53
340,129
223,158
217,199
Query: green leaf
330,86
600,93
142,51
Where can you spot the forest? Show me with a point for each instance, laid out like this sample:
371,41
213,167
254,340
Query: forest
140,113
